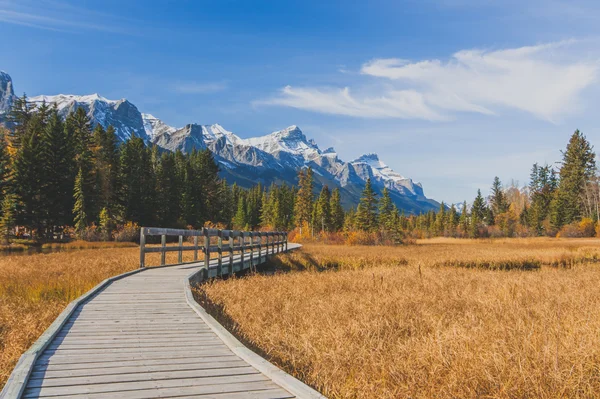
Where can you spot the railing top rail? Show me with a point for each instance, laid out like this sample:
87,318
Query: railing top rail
159,231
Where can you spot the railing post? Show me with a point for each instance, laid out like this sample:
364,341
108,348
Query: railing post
260,247
220,261
195,248
266,244
231,243
206,250
142,248
242,251
163,247
272,243
286,241
251,249
180,252
278,242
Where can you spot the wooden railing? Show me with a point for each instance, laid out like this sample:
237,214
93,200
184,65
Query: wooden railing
255,245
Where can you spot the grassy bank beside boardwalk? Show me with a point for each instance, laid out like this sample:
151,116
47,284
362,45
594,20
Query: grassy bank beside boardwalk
34,289
509,318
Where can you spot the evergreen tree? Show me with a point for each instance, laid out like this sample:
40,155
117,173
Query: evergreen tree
240,220
499,203
137,183
386,211
8,217
464,218
106,224
337,211
105,154
479,208
322,217
304,198
366,213
80,219
350,220
19,117
58,154
577,169
28,172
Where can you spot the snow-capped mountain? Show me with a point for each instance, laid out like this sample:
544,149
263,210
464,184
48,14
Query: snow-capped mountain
7,93
273,158
120,114
155,127
284,152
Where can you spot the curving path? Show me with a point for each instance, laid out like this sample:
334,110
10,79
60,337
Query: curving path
141,337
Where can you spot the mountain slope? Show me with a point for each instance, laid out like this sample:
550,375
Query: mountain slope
7,94
272,158
120,114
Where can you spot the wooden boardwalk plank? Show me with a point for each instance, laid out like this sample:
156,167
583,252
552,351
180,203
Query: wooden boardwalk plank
139,338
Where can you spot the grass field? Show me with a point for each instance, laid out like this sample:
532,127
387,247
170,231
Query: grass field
34,289
439,319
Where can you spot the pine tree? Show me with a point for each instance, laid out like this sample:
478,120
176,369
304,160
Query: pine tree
80,219
440,220
322,214
19,117
137,183
499,203
386,211
350,220
366,213
106,224
304,199
28,173
464,218
479,208
8,218
542,188
57,161
240,220
577,169
337,211
105,149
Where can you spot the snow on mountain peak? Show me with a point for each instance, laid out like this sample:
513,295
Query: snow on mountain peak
370,159
291,140
121,114
6,92
155,127
64,100
215,132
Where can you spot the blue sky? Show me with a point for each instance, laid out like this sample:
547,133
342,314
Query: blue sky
448,92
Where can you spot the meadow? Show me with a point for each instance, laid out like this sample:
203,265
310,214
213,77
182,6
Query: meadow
34,289
443,318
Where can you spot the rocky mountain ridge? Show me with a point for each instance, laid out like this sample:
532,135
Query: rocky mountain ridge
272,158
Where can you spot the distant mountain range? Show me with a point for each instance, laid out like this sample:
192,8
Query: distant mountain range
275,157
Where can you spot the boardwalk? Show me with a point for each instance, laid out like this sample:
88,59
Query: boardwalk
140,337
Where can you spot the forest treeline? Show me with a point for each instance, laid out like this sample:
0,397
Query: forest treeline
61,177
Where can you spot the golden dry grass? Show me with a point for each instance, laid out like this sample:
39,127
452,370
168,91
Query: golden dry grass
396,322
34,289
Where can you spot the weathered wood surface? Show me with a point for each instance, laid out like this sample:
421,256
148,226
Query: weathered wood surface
138,338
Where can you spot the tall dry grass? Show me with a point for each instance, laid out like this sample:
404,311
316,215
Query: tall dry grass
34,289
382,322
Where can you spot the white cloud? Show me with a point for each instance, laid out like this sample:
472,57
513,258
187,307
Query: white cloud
395,104
541,80
199,88
60,17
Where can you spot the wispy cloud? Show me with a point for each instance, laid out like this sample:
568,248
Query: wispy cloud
59,16
541,80
395,104
199,88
